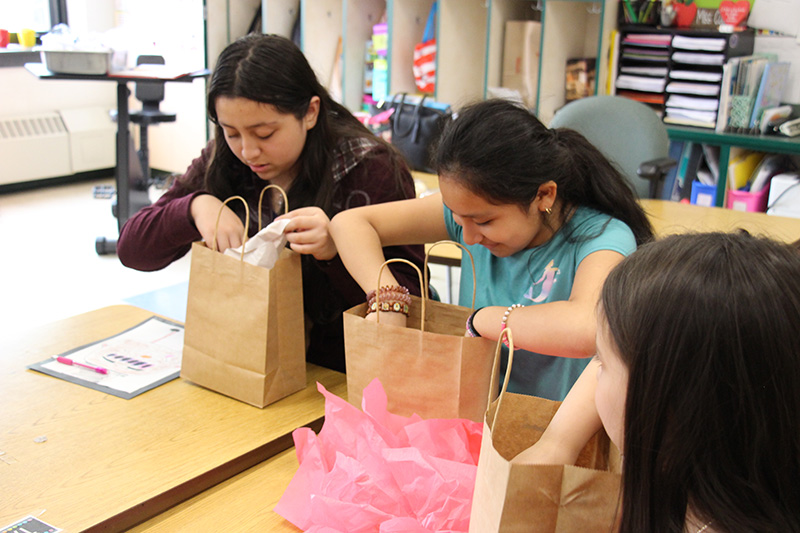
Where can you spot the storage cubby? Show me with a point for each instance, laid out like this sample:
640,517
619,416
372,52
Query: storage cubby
469,37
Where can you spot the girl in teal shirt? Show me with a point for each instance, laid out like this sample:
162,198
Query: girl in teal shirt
546,217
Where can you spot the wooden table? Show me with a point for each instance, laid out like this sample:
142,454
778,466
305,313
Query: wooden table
110,463
672,217
242,503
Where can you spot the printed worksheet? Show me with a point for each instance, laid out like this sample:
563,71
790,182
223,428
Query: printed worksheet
125,365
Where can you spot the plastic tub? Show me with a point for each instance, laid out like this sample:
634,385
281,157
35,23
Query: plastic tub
76,61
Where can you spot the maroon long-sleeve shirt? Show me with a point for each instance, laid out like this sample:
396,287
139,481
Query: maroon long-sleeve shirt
160,233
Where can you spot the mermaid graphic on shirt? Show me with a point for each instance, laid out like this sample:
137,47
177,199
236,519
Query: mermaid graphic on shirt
547,281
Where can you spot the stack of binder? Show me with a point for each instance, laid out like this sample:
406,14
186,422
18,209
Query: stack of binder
643,67
694,80
679,72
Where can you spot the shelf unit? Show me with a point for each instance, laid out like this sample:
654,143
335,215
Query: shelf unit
727,141
469,36
639,54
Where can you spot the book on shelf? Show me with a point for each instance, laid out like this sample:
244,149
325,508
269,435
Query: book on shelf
580,78
613,61
750,84
770,90
729,70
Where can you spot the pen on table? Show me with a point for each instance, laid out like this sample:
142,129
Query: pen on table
68,361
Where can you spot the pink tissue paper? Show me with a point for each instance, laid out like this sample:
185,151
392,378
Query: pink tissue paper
373,471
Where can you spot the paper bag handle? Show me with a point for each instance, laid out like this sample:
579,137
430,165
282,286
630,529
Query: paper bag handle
471,260
246,222
261,199
378,288
496,368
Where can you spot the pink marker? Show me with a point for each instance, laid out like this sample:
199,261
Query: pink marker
68,361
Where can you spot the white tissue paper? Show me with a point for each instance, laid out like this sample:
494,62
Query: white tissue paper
264,248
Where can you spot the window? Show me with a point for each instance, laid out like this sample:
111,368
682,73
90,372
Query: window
38,15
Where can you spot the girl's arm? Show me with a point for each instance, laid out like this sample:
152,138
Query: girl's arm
565,328
575,422
361,233
161,233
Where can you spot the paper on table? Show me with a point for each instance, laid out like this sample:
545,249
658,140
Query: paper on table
136,360
264,248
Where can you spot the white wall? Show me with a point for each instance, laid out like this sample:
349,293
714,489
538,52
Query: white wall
177,33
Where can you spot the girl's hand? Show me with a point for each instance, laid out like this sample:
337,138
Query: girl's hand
307,233
204,210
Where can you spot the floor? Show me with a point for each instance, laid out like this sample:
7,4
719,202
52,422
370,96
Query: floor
50,269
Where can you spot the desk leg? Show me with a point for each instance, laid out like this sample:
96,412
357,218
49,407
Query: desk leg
102,245
123,156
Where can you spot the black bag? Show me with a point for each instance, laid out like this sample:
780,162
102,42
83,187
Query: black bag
415,127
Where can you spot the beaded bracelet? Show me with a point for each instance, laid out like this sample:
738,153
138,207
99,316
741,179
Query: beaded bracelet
394,298
386,289
504,322
471,331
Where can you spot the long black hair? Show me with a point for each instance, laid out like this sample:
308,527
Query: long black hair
502,152
272,70
707,325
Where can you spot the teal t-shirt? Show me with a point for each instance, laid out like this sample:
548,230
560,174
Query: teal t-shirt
540,275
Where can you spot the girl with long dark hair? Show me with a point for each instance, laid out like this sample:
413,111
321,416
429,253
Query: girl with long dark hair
276,124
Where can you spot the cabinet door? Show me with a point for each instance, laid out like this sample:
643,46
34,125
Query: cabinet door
359,18
570,29
406,20
501,12
278,16
461,51
321,32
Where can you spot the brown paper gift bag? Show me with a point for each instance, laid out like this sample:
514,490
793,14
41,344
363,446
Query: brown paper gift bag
511,497
429,368
244,334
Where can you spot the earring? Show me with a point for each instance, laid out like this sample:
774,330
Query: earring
548,210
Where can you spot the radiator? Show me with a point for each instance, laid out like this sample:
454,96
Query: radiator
55,144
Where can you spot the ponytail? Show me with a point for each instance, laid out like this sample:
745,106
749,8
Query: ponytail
500,151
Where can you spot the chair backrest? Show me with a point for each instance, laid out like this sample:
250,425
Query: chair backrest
150,91
626,131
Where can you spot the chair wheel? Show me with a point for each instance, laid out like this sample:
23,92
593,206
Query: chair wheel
105,246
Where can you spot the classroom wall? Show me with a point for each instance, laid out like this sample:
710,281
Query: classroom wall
177,33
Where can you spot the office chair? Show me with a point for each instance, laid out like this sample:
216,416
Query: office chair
150,93
627,132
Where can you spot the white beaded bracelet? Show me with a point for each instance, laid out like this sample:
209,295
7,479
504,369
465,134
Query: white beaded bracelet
504,322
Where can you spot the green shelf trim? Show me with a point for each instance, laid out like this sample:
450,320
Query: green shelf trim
761,143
